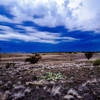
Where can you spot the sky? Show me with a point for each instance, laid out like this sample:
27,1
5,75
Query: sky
49,25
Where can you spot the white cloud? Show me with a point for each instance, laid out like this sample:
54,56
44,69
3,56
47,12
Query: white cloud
81,15
73,14
4,19
32,35
27,28
5,28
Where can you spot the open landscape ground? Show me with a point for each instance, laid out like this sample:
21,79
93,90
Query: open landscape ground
20,80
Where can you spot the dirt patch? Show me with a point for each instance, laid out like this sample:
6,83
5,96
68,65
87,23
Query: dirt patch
22,80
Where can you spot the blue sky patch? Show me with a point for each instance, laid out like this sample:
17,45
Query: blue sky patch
53,26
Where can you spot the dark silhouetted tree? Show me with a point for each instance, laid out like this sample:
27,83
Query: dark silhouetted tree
88,55
33,59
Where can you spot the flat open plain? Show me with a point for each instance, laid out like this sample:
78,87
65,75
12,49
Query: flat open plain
20,80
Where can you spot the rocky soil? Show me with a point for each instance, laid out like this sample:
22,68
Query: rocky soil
21,81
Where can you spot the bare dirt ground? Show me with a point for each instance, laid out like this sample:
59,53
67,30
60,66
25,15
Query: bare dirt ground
20,80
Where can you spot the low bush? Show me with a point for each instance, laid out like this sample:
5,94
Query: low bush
88,55
52,76
33,59
96,62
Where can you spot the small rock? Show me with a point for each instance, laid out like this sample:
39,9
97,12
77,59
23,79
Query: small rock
19,95
5,95
27,91
52,82
68,97
87,96
74,93
20,77
8,85
1,83
41,82
19,83
19,88
56,90
45,87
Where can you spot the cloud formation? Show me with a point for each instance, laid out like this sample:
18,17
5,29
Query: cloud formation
32,35
74,15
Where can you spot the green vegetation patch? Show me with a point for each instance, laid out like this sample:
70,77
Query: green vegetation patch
96,62
53,76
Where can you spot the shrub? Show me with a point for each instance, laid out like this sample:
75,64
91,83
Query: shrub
37,54
96,62
88,55
52,76
33,59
